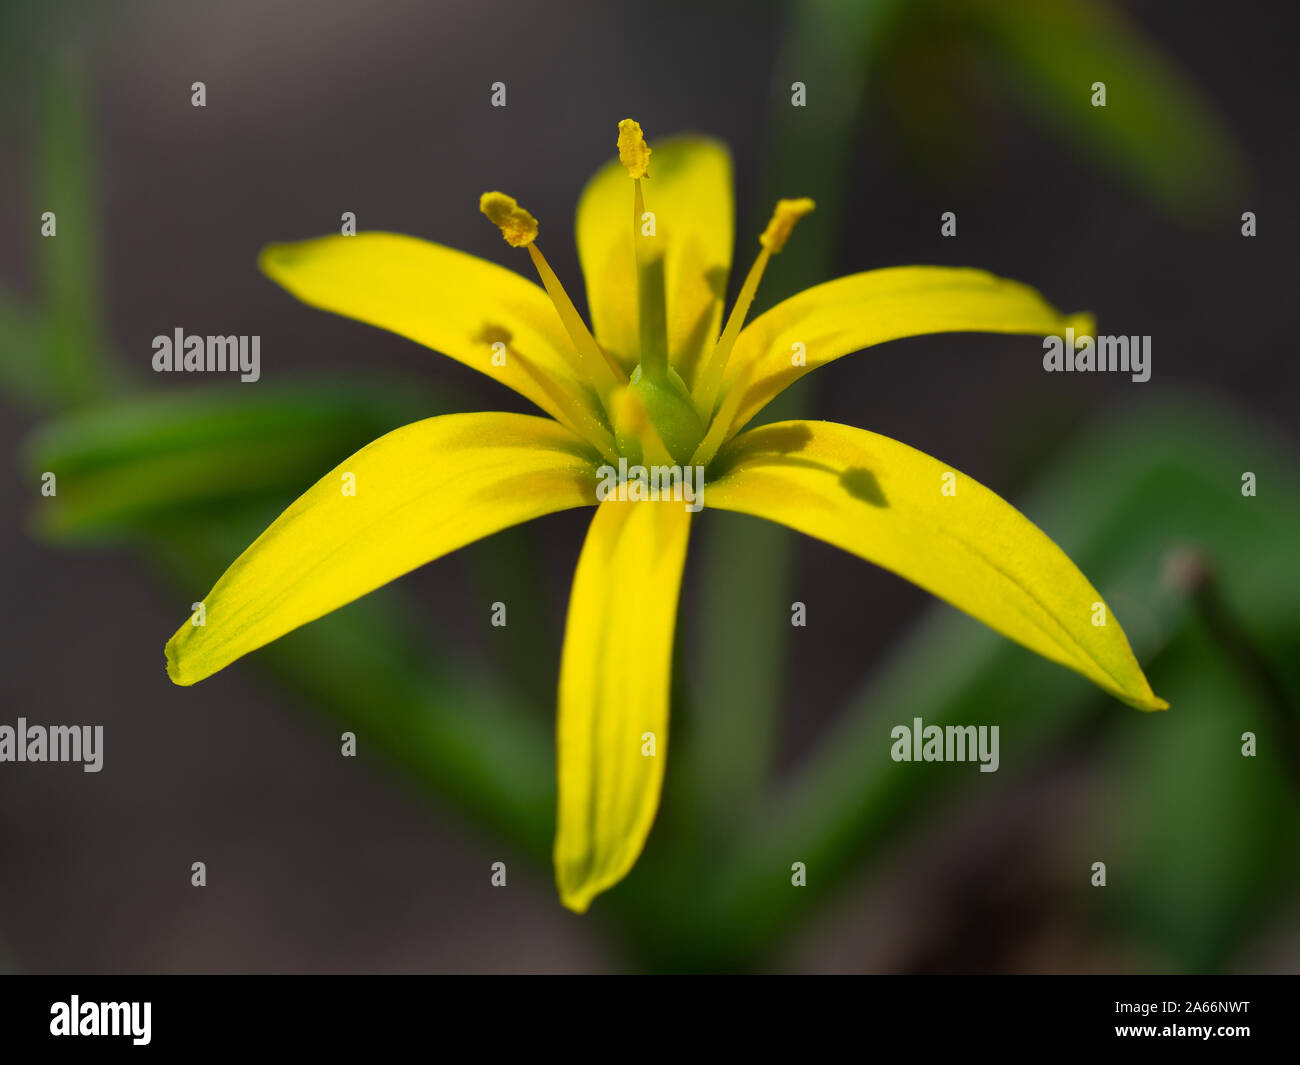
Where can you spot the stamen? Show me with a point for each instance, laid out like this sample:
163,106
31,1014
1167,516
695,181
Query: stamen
589,360
652,310
719,429
594,365
575,413
652,313
773,239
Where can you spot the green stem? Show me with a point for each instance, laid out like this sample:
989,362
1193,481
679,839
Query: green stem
748,564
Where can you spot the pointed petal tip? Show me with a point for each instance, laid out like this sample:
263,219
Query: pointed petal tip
272,258
175,673
1084,323
1143,699
279,256
576,902
185,666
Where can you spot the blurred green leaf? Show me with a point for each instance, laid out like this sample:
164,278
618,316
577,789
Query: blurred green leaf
1156,128
1199,841
123,465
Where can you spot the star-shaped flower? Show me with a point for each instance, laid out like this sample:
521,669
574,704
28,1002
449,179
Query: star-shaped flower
636,404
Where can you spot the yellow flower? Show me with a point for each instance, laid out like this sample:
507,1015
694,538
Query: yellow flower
652,382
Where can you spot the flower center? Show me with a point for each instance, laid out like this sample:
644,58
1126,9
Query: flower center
651,416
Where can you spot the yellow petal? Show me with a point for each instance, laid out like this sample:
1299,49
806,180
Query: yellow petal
420,492
444,299
855,312
886,502
614,682
689,193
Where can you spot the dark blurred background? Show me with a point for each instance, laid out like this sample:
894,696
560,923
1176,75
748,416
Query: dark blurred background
316,107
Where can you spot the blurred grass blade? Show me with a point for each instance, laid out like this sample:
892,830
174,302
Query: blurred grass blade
1155,127
73,336
23,373
126,464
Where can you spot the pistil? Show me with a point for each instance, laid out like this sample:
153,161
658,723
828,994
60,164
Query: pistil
638,439
652,311
656,385
652,314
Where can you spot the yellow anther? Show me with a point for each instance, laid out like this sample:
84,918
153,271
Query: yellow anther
787,213
633,152
516,225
